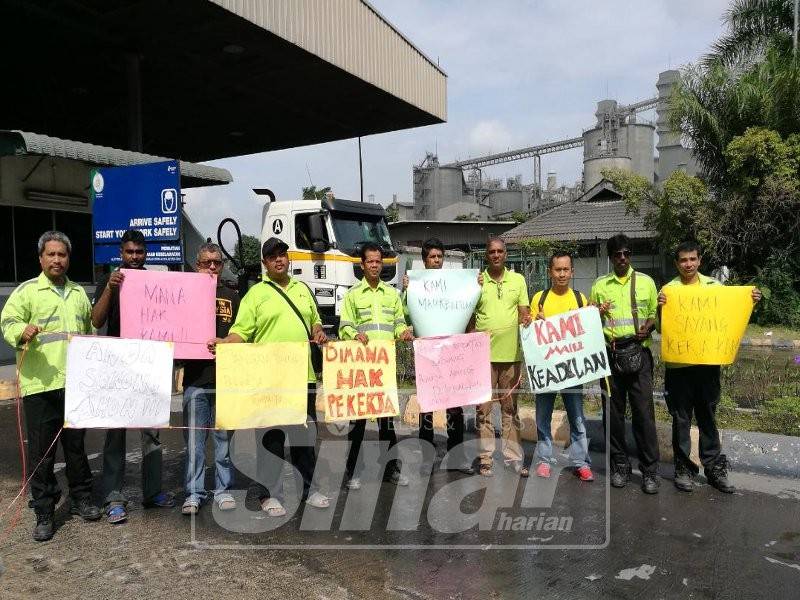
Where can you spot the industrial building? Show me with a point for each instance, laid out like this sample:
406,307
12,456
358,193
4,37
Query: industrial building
118,83
617,139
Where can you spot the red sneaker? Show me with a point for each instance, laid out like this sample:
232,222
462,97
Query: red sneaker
584,473
543,470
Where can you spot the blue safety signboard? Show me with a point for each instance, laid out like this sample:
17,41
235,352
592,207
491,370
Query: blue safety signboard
145,197
158,253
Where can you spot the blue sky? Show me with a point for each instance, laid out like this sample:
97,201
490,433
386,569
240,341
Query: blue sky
520,72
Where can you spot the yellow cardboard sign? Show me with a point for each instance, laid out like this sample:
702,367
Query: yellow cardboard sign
261,385
704,325
360,380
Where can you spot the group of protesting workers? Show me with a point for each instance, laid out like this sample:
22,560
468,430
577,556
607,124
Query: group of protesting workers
42,312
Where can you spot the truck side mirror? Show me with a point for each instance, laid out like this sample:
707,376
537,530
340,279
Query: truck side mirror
316,227
319,246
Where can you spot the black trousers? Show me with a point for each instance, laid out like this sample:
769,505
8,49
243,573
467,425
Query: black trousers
636,389
694,389
302,453
44,416
355,436
455,427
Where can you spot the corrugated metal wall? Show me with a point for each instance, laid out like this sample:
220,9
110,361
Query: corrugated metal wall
353,36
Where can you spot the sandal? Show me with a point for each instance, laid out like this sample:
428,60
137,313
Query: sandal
485,470
225,502
116,513
518,468
318,500
160,500
272,507
191,506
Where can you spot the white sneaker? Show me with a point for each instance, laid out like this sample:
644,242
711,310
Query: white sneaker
354,483
318,500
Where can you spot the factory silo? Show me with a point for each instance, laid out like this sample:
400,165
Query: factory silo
640,139
616,143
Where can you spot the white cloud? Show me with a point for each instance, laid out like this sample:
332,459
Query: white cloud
489,137
519,73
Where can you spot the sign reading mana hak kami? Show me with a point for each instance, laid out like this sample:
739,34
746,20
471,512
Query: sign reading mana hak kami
360,380
169,306
565,350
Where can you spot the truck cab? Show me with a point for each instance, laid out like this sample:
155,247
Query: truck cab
324,239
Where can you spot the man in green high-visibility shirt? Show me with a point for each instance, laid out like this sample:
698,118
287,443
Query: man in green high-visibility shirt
372,310
695,389
39,315
628,301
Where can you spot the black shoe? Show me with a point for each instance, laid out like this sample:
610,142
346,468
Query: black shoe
44,527
683,479
85,508
649,483
620,475
717,477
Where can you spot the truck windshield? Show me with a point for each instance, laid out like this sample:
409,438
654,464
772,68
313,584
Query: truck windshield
351,231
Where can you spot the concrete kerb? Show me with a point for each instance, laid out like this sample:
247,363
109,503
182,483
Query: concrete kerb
747,451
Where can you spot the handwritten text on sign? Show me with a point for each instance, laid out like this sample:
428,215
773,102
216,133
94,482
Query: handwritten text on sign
169,306
360,380
565,350
261,385
452,371
441,301
113,382
704,325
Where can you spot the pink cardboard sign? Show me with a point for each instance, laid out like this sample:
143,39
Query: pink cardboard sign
452,371
169,306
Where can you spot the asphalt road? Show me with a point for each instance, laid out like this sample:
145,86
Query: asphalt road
381,542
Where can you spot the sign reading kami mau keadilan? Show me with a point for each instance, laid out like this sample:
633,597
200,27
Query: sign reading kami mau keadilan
565,350
441,301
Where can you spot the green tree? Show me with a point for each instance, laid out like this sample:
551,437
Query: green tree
392,213
682,208
519,216
249,253
312,193
753,26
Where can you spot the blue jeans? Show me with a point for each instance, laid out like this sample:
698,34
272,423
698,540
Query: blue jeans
579,443
198,411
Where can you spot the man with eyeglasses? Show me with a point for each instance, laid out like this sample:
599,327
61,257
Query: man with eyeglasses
502,307
628,301
199,402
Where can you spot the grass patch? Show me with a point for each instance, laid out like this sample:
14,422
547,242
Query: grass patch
779,332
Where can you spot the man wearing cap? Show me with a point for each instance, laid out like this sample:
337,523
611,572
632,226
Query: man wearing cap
266,315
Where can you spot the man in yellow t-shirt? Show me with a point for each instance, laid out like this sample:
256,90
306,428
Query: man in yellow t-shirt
502,307
560,298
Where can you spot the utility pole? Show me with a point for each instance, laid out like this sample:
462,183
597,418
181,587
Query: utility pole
360,169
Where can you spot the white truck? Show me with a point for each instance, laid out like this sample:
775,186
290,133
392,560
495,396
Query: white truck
324,239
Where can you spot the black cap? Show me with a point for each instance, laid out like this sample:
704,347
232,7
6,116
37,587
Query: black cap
272,246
